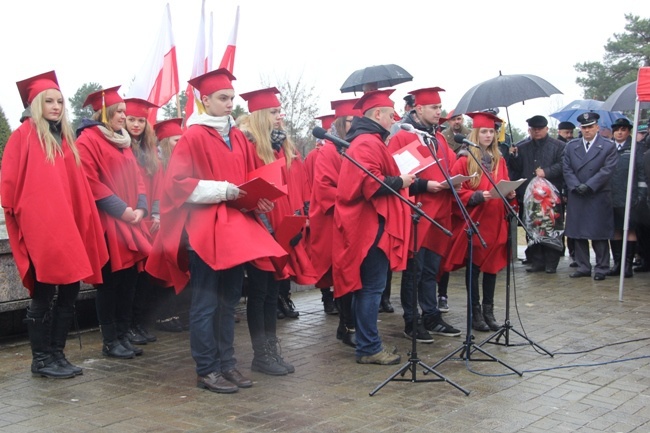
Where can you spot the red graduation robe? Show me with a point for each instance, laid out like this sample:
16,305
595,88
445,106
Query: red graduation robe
491,219
321,210
437,205
54,228
221,235
111,170
356,214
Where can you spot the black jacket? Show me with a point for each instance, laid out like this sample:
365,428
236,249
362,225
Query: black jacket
532,154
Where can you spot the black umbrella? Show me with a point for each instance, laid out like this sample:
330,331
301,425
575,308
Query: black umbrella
504,91
380,75
624,99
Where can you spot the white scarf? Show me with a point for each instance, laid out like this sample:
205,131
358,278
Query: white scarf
120,141
223,124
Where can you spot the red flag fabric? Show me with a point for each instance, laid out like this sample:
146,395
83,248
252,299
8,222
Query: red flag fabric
228,59
202,60
643,84
157,81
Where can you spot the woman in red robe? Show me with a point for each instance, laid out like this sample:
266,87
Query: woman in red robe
488,211
118,188
145,149
52,221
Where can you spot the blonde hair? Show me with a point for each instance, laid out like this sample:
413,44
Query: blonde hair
110,112
165,151
472,165
50,146
145,149
259,126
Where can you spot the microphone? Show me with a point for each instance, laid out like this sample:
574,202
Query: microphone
322,134
458,138
409,128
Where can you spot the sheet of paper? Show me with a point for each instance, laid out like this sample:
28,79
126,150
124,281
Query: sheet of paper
507,186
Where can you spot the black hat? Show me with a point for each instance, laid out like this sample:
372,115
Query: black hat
410,100
566,125
537,122
621,123
588,118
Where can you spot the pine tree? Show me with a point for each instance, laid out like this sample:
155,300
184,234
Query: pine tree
5,132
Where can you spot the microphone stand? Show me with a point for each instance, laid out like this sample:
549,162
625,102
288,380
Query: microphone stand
507,326
468,347
413,361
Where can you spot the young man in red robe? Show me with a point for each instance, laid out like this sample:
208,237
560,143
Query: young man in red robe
372,225
198,228
436,199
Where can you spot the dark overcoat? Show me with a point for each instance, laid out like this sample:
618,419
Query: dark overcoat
590,216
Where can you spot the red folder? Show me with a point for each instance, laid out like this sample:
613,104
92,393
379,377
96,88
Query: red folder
413,158
290,226
263,182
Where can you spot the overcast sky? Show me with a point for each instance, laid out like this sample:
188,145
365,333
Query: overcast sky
453,45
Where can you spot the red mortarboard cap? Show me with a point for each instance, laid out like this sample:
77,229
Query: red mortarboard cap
483,120
105,98
168,128
326,120
375,98
212,81
345,107
260,99
31,87
138,107
427,96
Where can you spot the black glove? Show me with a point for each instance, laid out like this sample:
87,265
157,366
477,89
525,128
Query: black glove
294,240
583,189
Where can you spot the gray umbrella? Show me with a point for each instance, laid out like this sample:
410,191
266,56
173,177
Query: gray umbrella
503,91
380,75
624,99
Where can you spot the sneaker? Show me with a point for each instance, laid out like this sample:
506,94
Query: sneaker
437,326
382,358
443,305
421,336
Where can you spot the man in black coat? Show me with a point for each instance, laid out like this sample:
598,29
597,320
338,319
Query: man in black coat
538,155
588,166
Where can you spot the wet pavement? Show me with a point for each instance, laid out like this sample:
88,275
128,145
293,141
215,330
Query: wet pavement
597,381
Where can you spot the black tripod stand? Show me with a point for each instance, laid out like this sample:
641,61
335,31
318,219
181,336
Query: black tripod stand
469,347
413,361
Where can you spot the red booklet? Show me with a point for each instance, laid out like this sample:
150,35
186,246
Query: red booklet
264,182
413,158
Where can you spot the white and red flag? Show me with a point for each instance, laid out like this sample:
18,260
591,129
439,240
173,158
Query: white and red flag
228,59
201,62
157,81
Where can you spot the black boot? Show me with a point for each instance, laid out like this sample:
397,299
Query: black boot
616,247
629,259
264,361
385,306
478,322
112,346
62,317
276,352
43,362
287,307
488,315
328,301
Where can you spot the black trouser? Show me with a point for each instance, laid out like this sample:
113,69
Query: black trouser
489,285
43,295
261,305
114,301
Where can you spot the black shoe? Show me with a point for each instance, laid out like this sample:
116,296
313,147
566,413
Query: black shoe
573,265
642,268
135,337
385,306
143,331
63,362
288,308
579,275
535,269
216,382
599,277
128,346
45,365
550,270
421,334
436,326
329,307
267,364
116,350
279,314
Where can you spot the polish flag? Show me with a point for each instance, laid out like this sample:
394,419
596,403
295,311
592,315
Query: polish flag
157,81
202,60
643,84
228,60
